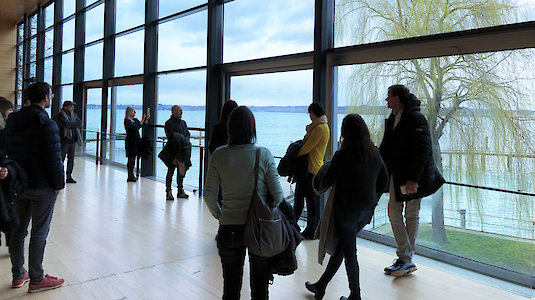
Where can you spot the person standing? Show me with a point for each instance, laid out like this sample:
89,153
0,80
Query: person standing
132,126
69,131
6,108
315,144
407,153
359,177
220,134
233,168
34,142
175,125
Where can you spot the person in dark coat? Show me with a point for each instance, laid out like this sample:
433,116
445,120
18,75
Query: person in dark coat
359,177
407,152
33,142
220,134
69,131
175,124
132,126
6,107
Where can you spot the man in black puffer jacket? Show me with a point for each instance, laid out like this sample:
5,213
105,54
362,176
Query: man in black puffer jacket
407,152
33,141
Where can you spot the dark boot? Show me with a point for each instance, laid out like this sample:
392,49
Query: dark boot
317,289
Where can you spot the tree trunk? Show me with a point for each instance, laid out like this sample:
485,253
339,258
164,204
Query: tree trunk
437,217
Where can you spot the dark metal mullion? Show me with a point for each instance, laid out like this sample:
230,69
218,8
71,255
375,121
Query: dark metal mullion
130,30
148,166
26,55
79,54
108,67
185,70
40,65
57,56
182,14
214,77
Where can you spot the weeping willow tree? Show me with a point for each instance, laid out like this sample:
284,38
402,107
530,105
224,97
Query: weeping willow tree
463,96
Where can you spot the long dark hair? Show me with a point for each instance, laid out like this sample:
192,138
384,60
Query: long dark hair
356,137
228,107
241,126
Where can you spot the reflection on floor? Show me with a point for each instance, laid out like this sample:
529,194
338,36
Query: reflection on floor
113,240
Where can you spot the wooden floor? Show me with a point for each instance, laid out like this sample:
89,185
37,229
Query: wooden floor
113,240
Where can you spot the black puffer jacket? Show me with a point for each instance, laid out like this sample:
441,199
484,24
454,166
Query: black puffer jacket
33,141
407,152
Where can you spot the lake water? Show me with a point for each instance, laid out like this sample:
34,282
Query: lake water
486,211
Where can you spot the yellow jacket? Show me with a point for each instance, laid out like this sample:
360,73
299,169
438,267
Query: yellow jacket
315,146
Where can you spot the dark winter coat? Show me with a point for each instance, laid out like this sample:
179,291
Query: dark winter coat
132,136
219,136
69,127
10,189
33,141
293,166
359,185
408,154
177,147
176,125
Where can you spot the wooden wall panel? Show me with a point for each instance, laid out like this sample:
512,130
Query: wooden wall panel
8,35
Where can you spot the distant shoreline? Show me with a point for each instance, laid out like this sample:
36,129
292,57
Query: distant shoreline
291,109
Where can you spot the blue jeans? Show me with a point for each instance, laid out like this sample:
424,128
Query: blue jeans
347,250
37,206
232,252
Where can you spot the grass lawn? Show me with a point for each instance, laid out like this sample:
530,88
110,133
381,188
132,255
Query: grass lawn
495,250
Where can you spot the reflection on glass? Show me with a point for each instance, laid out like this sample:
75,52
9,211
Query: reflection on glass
189,91
68,35
48,71
249,35
169,7
130,14
49,42
20,33
20,55
182,42
49,15
33,67
481,120
33,49
33,25
95,23
279,102
67,68
19,78
129,54
368,21
93,62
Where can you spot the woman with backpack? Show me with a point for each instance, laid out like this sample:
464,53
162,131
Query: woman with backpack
233,168
359,177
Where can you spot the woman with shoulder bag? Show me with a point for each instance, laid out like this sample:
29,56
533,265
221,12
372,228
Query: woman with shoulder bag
359,177
233,168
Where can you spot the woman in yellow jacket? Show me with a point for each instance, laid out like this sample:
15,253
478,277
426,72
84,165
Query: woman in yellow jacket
315,144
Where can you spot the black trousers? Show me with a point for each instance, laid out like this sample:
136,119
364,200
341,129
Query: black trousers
346,250
130,166
169,179
232,253
303,189
67,149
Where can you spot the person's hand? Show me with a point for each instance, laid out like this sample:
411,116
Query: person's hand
3,173
56,191
411,187
148,113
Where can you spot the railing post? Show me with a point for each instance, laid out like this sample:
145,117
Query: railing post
462,213
201,158
97,151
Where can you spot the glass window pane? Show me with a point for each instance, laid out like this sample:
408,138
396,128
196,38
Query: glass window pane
169,7
68,35
129,54
18,98
94,23
66,93
48,71
369,21
67,68
257,29
49,15
33,49
20,33
49,42
33,25
182,42
191,86
33,67
93,118
93,62
20,55
19,78
129,14
69,6
483,131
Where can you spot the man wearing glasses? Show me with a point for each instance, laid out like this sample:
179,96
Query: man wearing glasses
33,141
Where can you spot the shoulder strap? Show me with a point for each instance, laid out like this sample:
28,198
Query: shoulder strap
256,170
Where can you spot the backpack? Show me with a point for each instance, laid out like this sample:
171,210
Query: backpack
266,234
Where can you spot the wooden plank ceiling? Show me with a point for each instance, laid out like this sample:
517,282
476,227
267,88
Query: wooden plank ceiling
14,10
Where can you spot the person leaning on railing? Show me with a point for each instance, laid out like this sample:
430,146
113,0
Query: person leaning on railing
132,126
